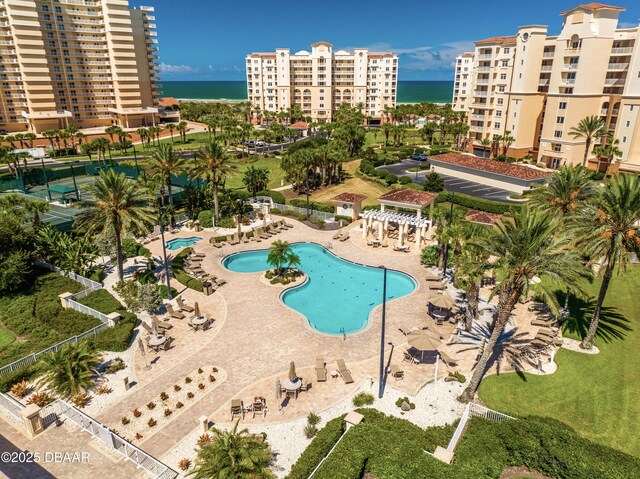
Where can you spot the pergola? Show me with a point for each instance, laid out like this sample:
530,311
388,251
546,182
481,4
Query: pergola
405,198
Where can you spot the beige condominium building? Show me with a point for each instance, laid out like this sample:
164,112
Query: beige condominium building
320,80
86,62
537,87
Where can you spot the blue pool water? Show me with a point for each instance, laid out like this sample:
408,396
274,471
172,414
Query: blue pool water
178,243
338,295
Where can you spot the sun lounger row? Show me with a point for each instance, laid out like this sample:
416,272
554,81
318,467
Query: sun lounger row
343,371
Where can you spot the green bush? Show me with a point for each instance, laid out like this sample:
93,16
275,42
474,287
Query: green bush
319,447
391,179
316,220
177,267
362,399
103,301
302,203
490,206
146,277
276,196
97,275
404,180
348,219
23,374
430,255
226,223
205,218
162,291
276,211
382,174
131,248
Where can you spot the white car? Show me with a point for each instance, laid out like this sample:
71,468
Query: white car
260,143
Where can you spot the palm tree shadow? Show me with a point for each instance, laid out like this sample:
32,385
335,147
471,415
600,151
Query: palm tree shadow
612,324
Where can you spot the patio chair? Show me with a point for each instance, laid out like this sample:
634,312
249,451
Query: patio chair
219,281
409,358
215,244
167,344
292,393
245,238
146,327
264,234
237,408
344,372
545,323
337,236
397,373
164,325
236,239
173,313
184,307
259,407
229,240
256,236
305,386
197,255
193,327
321,371
345,238
448,360
286,225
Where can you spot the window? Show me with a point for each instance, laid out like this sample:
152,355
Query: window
496,125
45,8
628,124
58,9
506,50
557,134
498,113
321,98
501,88
562,105
503,76
500,101
557,147
624,139
46,17
505,63
58,18
560,119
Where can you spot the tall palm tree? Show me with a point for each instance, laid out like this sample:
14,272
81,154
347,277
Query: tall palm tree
525,247
233,454
214,165
101,144
590,128
182,128
69,370
486,144
35,208
171,127
472,267
30,137
117,204
608,232
610,151
166,162
565,193
507,141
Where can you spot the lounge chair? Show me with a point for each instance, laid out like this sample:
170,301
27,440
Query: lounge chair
230,240
545,323
215,244
164,326
396,372
245,238
345,238
321,370
286,225
448,360
173,313
146,327
237,408
259,407
256,236
344,372
337,236
263,234
167,344
184,307
437,285
236,239
219,281
197,255
409,358
306,386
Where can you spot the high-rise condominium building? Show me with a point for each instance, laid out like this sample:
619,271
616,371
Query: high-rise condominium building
535,88
86,62
321,80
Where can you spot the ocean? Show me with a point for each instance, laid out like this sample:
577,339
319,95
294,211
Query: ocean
408,91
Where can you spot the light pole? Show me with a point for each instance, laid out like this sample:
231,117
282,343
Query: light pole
446,248
307,188
164,255
384,317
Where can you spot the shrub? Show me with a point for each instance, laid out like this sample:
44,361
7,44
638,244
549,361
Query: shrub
404,180
362,399
104,389
40,399
433,183
176,388
459,377
391,179
115,365
314,205
22,374
313,419
226,223
131,248
324,440
310,430
203,440
316,220
97,275
152,422
151,405
348,219
430,255
276,196
405,399
205,218
179,405
125,420
162,291
137,413
381,173
80,399
20,389
146,277
164,396
490,206
167,412
184,464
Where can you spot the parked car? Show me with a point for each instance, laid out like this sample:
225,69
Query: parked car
250,144
419,157
260,143
3,132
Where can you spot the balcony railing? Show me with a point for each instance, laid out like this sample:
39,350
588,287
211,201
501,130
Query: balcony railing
618,66
543,81
486,56
548,54
568,81
614,81
478,117
480,93
546,68
482,81
570,66
483,69
622,50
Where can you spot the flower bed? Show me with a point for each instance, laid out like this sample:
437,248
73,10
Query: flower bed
151,416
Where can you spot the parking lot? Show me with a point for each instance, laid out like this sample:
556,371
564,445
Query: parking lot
450,183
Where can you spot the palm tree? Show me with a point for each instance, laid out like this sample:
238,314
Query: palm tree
69,370
255,179
565,193
182,128
117,204
507,141
610,150
35,208
49,135
30,137
88,149
165,162
486,144
111,130
525,247
213,164
100,144
143,133
233,454
472,267
171,127
279,255
590,128
608,232
20,138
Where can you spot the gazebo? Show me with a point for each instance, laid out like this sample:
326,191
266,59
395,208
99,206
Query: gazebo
482,217
301,126
407,224
348,204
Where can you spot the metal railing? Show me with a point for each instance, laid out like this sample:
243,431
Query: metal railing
471,410
150,464
11,408
321,214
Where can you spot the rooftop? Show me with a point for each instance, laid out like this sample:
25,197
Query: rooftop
492,166
168,102
482,217
510,39
408,196
300,125
349,198
593,6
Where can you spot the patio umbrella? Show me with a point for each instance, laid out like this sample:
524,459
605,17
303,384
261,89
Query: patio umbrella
442,301
292,372
278,390
424,341
196,310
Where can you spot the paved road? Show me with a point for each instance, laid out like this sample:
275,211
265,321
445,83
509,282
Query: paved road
450,183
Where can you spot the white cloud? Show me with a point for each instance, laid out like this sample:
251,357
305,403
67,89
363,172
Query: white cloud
627,25
178,69
427,57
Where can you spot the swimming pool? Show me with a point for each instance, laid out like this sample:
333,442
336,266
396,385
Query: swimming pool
338,295
178,243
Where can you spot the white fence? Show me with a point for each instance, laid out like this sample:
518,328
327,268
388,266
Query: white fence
11,408
321,214
471,410
154,467
90,286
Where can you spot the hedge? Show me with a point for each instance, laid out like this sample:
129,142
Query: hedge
118,337
302,203
319,447
177,267
386,447
276,196
205,218
293,214
490,206
131,248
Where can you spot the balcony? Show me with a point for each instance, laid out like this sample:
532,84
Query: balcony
546,68
614,81
570,66
476,129
486,56
483,69
482,81
568,81
617,66
622,51
548,54
480,93
543,81
478,117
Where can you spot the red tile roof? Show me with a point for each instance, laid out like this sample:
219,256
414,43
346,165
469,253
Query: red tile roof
300,125
511,39
482,217
594,6
409,196
492,166
348,198
168,102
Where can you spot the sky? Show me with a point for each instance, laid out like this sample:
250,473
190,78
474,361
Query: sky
209,39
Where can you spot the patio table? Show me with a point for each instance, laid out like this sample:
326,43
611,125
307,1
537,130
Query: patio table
292,385
199,321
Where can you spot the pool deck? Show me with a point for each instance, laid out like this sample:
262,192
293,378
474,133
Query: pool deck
255,337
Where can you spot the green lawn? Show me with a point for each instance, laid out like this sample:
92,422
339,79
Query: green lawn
596,395
272,164
375,137
6,337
